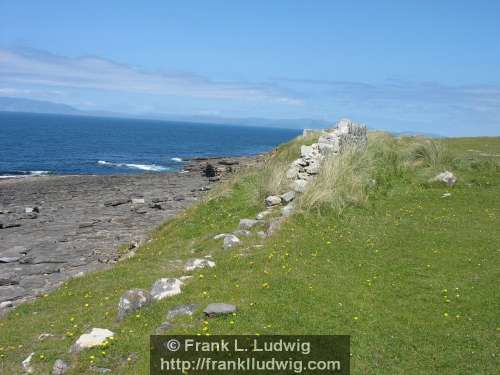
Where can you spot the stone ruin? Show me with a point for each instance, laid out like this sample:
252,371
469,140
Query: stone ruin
331,142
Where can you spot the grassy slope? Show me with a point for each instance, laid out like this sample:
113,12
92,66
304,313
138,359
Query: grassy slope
413,277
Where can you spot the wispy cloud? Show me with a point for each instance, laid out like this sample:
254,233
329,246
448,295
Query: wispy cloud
37,69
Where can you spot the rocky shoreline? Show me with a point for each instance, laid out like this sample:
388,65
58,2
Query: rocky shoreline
53,228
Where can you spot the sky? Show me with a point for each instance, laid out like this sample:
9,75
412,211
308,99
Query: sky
425,66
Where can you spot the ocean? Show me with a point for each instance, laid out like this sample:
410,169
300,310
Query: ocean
38,144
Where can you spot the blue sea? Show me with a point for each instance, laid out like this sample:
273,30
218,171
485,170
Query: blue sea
37,144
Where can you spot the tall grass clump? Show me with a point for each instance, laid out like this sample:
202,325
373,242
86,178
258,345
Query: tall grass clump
348,179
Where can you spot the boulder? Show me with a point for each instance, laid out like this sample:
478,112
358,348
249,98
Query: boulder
273,200
179,310
60,367
216,309
132,300
193,264
246,224
447,177
231,241
287,197
166,287
96,337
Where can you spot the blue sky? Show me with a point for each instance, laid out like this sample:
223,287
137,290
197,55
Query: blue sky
429,66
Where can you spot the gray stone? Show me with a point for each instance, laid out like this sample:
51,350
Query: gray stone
287,197
132,300
11,292
9,224
219,236
9,259
261,234
246,224
138,201
60,367
447,177
193,264
166,287
96,337
179,310
312,168
216,309
273,200
231,241
292,172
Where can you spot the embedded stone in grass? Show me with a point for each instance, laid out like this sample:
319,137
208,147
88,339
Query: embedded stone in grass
219,236
273,200
60,367
216,309
287,197
193,264
166,287
261,234
231,241
186,309
96,337
133,300
246,224
447,177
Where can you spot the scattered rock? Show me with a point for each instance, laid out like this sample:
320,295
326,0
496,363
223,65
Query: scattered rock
100,370
216,309
26,364
30,210
43,336
273,200
186,309
287,197
156,206
261,234
60,367
246,224
95,337
166,287
193,264
446,195
262,215
231,241
132,300
447,177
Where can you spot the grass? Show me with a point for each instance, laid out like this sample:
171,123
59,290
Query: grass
411,276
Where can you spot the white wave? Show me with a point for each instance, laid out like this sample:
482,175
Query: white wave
143,167
38,173
179,160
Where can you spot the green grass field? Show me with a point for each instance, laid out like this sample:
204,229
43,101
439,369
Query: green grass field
413,278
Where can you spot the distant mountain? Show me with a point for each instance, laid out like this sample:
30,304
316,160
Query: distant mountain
39,106
35,106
